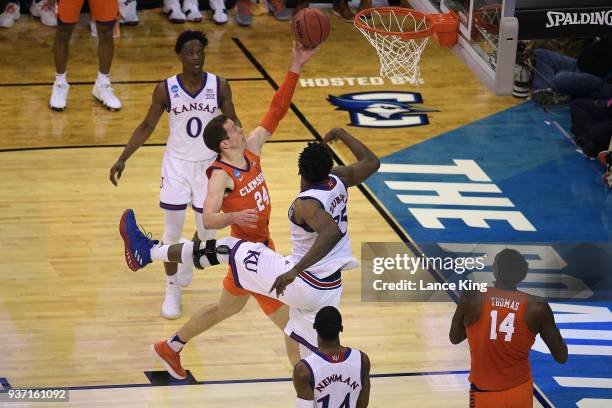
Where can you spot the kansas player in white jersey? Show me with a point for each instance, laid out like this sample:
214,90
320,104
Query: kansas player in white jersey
191,99
321,247
333,376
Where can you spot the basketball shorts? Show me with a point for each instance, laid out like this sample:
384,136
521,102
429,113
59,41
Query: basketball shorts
102,11
183,182
255,267
267,304
520,396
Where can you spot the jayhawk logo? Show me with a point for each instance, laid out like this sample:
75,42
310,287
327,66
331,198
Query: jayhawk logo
383,109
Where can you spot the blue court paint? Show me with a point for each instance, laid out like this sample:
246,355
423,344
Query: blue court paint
526,185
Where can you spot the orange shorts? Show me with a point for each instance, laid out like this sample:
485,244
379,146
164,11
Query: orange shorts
267,304
102,11
520,396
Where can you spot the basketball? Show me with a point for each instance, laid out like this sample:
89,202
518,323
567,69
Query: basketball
310,27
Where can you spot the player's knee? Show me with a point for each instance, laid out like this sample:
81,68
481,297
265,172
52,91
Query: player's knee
64,32
105,32
226,311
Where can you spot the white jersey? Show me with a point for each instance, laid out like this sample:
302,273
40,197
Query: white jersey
333,198
337,380
188,115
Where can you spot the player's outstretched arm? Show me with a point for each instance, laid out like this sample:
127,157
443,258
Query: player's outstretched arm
227,104
281,100
367,162
364,395
212,216
549,332
142,133
303,387
328,235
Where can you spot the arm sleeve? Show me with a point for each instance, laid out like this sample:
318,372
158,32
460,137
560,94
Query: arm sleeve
280,103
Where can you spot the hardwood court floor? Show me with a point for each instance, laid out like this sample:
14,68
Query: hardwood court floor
73,315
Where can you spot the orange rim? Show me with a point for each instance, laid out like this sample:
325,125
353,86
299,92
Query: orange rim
398,11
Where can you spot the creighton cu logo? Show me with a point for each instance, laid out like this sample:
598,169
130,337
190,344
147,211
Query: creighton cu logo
382,109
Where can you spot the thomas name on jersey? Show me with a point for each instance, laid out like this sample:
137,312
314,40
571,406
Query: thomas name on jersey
253,184
336,378
199,107
503,302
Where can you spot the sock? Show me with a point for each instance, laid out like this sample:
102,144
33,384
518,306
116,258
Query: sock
61,78
176,343
160,253
172,279
187,253
103,78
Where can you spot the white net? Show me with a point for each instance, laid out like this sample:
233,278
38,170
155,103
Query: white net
399,57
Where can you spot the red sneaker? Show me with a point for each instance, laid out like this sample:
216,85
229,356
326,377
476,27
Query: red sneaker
170,359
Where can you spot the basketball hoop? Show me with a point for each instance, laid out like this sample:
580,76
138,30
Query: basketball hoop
399,36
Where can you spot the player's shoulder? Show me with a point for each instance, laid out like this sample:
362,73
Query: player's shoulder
302,370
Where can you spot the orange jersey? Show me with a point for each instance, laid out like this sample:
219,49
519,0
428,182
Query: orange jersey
250,191
500,341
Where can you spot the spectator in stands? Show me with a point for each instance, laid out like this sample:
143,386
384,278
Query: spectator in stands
104,12
592,124
179,13
587,76
127,13
244,11
43,9
9,13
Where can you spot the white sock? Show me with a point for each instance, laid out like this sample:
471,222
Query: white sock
176,343
103,78
172,280
160,252
61,78
187,254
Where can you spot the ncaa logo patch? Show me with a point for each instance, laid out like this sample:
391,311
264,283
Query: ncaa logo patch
175,90
383,109
238,175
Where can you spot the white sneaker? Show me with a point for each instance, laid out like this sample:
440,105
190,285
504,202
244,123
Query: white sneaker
44,12
127,11
9,15
219,11
106,96
173,9
59,95
191,10
171,308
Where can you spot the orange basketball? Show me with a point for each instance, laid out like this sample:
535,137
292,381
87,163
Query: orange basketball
310,27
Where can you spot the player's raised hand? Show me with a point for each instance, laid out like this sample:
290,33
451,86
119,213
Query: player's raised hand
283,281
115,171
333,135
301,55
245,218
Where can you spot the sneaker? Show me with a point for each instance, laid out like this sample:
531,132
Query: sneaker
219,12
191,11
342,10
258,9
173,9
9,15
170,359
277,7
42,10
59,95
171,308
548,96
184,275
137,245
106,96
244,16
127,13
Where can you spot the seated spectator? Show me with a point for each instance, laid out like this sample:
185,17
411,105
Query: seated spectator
10,13
592,124
244,11
45,11
178,14
587,76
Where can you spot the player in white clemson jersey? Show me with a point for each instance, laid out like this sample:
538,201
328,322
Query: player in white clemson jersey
191,99
334,375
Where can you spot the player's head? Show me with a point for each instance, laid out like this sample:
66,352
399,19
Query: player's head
222,133
328,323
189,47
315,162
510,267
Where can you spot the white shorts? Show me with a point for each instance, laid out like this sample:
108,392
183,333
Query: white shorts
183,182
255,267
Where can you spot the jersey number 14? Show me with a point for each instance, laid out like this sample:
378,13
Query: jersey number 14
507,326
345,404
